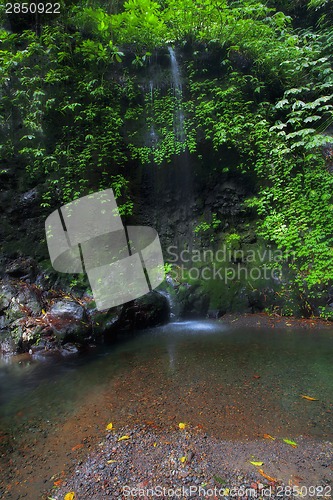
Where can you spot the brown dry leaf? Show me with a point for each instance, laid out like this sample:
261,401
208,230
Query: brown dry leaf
309,398
268,436
77,447
58,483
266,476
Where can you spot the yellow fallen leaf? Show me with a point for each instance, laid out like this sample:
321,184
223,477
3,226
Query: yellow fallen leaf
257,464
181,425
292,443
111,461
109,427
69,496
183,459
266,476
43,311
123,438
297,491
268,436
309,398
155,444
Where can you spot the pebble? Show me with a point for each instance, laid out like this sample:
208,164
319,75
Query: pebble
137,466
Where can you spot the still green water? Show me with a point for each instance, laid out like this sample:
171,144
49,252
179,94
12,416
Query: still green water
233,382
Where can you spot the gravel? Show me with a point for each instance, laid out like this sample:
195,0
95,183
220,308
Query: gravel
153,463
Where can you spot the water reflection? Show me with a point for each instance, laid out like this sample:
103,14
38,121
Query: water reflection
254,378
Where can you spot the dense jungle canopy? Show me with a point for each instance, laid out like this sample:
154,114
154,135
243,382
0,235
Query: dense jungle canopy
257,88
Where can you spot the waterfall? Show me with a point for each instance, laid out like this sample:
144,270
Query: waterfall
152,134
172,304
178,93
175,72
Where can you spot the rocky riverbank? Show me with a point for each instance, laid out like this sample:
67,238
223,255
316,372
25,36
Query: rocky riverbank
41,319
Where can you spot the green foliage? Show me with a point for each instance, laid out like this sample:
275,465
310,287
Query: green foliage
265,95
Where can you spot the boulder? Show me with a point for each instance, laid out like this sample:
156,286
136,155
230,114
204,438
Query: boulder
68,321
150,310
22,267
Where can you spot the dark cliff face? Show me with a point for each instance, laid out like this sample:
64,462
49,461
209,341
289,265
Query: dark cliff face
174,197
195,200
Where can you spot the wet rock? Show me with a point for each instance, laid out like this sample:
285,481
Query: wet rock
68,320
7,292
216,313
22,267
69,349
28,297
7,346
28,198
68,309
147,311
193,301
103,323
12,313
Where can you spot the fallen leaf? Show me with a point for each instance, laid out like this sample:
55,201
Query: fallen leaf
69,496
111,461
268,436
77,447
256,376
182,459
219,479
266,476
292,443
155,444
257,464
181,425
109,427
298,492
122,438
58,483
309,398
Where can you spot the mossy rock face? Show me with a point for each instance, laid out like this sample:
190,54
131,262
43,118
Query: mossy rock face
193,301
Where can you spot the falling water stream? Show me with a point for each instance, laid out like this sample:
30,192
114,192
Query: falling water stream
179,128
